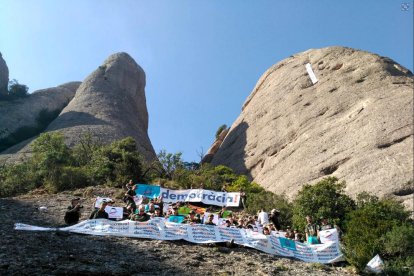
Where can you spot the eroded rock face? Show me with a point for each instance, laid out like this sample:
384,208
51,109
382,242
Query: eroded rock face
26,115
4,76
110,104
356,123
214,147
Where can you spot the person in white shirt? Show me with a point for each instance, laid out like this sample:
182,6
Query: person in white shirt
263,217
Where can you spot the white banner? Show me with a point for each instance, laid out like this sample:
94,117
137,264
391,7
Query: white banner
200,233
200,195
114,212
311,73
99,201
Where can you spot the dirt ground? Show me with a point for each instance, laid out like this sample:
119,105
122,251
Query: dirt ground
57,253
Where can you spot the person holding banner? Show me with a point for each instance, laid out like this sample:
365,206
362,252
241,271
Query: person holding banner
210,220
100,213
141,216
192,219
311,231
129,195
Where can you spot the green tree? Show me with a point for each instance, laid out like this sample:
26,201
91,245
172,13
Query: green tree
17,90
115,163
326,198
50,154
375,228
18,179
220,130
169,163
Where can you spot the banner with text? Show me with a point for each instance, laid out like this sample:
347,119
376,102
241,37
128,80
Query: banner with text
191,195
159,229
200,195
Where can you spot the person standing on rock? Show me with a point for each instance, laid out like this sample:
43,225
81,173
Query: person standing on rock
73,212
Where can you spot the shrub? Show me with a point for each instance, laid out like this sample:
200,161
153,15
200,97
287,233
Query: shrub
18,179
17,90
399,249
67,179
326,198
115,163
220,130
368,230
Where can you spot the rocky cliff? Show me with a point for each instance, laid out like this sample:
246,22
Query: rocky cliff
355,123
4,76
110,104
23,118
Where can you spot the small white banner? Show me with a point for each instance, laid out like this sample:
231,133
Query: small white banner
376,265
311,74
99,200
114,212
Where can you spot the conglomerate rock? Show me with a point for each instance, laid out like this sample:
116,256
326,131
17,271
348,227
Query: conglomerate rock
355,123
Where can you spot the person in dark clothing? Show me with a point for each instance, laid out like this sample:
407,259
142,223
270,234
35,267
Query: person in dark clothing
210,220
274,218
192,219
129,195
141,216
73,213
243,198
100,213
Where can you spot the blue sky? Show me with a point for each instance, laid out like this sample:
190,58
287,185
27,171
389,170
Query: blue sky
201,58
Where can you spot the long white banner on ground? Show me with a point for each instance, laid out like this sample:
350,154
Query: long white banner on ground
158,229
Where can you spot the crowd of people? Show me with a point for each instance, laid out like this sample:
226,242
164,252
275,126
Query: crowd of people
264,222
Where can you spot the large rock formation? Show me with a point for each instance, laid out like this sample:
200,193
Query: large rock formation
25,117
4,76
110,104
355,123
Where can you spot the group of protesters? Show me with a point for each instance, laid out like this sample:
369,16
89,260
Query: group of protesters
263,222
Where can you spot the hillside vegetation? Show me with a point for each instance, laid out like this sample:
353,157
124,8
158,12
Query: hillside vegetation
371,225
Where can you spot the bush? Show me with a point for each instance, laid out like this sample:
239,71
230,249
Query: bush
220,130
326,198
115,163
369,231
68,178
18,179
399,249
17,90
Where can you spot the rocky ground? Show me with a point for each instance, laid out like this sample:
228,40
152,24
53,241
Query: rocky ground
55,253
